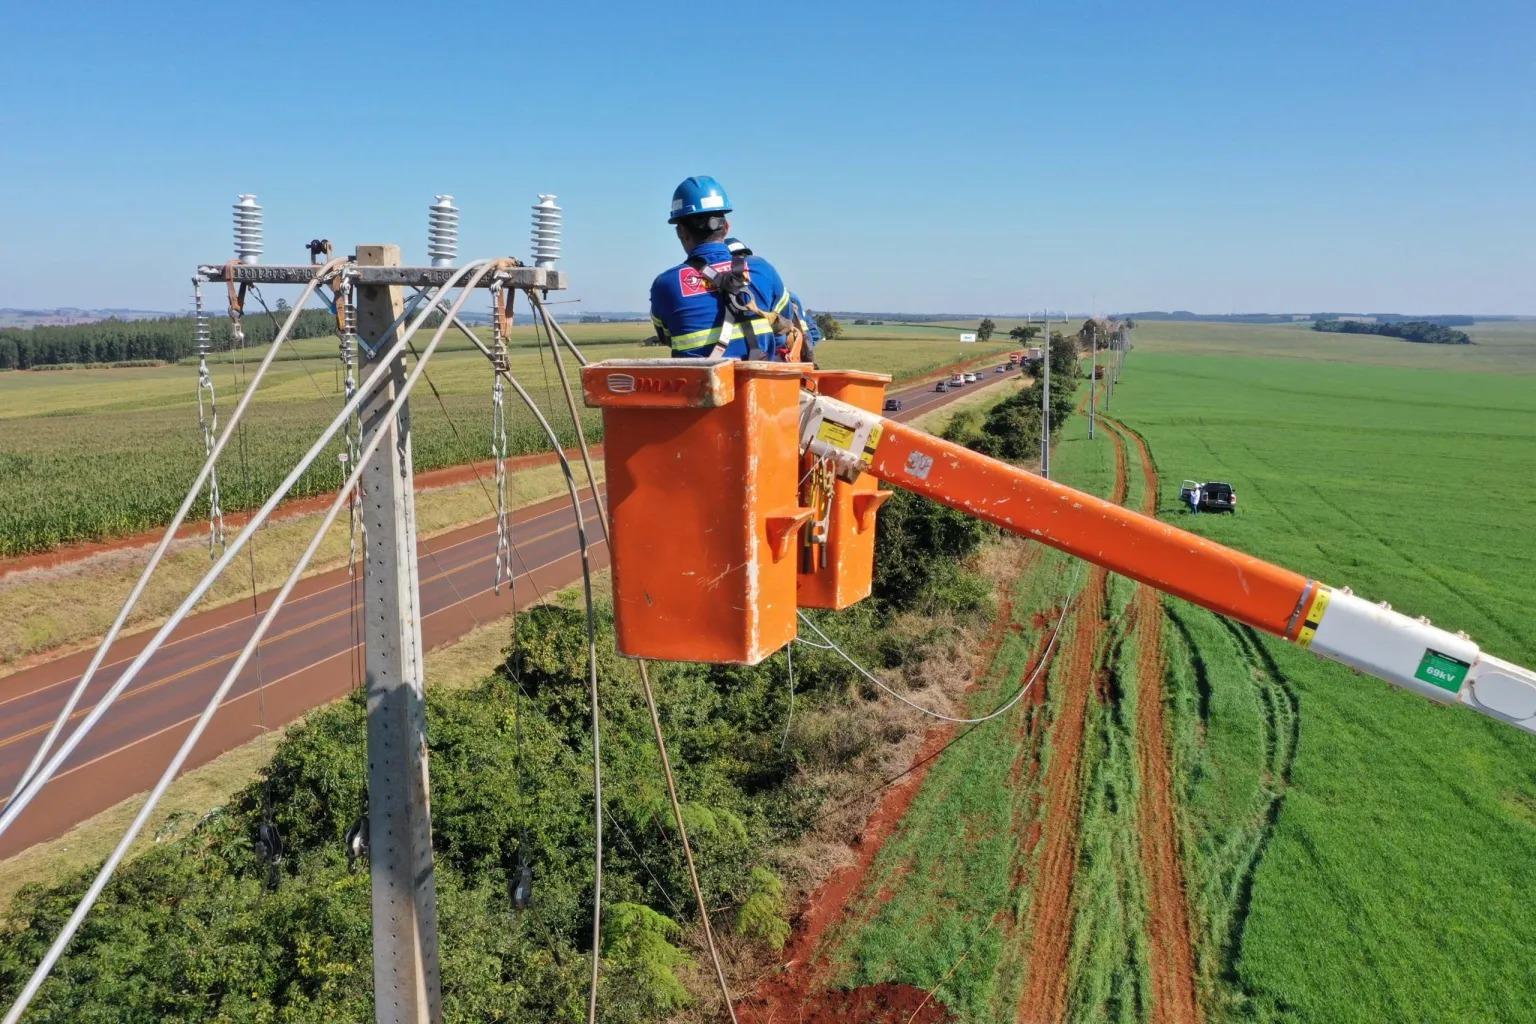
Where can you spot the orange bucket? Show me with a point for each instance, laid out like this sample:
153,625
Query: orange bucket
840,571
702,461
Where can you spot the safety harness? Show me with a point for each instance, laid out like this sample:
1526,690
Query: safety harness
733,287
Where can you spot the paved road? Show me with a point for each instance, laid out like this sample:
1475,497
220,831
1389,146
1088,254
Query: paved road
310,657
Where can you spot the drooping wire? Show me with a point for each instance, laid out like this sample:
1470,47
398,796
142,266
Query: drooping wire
268,842
194,735
207,420
1002,709
584,550
500,365
645,680
789,715
889,781
551,327
298,356
29,784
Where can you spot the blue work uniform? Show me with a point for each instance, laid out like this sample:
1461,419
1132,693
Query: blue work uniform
812,332
692,318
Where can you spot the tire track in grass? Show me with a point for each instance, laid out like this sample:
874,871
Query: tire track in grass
1051,907
1172,957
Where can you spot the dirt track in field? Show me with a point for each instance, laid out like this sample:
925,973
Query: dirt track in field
796,991
1051,907
1168,930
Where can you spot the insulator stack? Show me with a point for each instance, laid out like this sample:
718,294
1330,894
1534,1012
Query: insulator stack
247,229
443,232
200,331
546,232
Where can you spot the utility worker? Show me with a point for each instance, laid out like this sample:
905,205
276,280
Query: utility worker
714,304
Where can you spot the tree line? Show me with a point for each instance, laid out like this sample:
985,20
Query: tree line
166,339
1422,331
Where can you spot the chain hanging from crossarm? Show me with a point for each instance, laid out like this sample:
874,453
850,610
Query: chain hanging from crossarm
207,417
346,313
500,365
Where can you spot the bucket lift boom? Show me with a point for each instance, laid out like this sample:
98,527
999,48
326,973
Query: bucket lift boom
683,421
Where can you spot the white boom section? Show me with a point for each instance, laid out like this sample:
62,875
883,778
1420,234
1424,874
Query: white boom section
1416,655
1334,624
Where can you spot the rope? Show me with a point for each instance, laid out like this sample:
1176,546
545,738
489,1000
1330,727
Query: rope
682,832
645,679
996,712
570,402
297,355
789,661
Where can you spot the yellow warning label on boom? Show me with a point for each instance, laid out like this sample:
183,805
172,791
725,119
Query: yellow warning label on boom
1314,616
839,435
870,444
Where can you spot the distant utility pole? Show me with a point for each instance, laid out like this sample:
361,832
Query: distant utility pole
1045,397
1093,379
406,983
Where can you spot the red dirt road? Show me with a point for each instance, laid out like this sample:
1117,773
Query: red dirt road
1168,930
1051,906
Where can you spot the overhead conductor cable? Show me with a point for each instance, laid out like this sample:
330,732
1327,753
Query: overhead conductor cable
203,475
26,793
67,932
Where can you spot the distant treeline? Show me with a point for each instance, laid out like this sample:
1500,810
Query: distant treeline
114,341
1422,331
1449,320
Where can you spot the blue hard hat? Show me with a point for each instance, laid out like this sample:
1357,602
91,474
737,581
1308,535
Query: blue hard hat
698,194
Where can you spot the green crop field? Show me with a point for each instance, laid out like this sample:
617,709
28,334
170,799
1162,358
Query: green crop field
98,452
1349,852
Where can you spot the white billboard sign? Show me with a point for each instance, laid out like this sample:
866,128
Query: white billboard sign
967,337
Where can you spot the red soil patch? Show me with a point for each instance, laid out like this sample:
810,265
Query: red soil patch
1051,910
788,995
448,476
1168,931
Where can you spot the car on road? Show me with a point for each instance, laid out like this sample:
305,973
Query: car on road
970,378
957,381
941,387
892,404
1000,369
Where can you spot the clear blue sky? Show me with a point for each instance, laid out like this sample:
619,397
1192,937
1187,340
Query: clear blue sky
1217,157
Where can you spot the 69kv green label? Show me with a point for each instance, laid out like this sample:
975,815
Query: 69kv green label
1442,670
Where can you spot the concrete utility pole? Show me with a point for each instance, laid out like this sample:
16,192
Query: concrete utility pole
406,983
1045,397
1093,380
